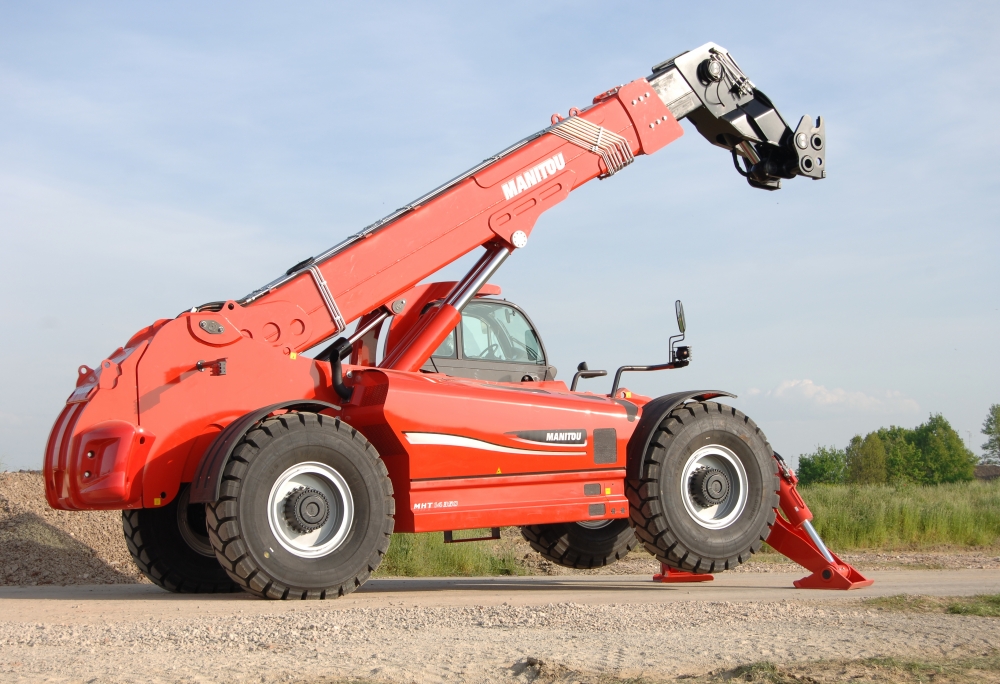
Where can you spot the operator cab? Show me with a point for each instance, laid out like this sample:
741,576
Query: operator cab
495,341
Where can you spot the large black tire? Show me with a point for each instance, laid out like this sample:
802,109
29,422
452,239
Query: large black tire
170,546
581,546
675,519
257,537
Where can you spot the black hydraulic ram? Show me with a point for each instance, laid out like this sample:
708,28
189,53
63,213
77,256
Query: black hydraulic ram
707,87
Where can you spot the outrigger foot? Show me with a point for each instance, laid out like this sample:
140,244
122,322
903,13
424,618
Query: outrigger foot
669,575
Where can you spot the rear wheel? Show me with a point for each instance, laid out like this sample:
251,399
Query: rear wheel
305,511
584,544
170,546
705,498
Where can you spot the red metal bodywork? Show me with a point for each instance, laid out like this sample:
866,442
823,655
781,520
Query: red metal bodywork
137,427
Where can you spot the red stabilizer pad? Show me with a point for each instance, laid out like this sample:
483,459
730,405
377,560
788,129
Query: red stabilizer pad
831,577
668,575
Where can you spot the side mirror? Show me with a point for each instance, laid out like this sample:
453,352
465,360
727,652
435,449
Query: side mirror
680,356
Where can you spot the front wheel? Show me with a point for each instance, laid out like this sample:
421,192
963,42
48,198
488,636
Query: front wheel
706,494
305,510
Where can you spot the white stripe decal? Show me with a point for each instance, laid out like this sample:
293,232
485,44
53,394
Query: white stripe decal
438,439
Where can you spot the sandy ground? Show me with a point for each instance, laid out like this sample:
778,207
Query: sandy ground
476,630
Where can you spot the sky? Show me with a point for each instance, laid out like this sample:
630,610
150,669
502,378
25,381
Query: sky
158,156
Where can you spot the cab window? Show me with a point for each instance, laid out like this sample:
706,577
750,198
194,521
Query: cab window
493,331
448,348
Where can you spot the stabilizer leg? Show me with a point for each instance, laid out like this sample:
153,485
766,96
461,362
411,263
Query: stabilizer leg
796,539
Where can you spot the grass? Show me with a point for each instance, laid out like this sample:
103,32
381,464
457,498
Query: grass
983,668
848,517
983,605
764,671
426,555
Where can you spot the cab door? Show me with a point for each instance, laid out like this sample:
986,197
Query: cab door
495,341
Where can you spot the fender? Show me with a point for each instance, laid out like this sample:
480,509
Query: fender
208,478
653,414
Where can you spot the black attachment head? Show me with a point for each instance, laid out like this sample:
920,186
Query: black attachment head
709,88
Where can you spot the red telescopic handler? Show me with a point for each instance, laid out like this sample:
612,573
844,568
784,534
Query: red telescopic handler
240,462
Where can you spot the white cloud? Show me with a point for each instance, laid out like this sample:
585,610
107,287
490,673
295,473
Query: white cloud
809,393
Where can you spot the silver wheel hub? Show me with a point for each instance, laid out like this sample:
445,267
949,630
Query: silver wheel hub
310,509
713,487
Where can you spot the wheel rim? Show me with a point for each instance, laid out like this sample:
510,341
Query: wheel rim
729,509
191,525
334,492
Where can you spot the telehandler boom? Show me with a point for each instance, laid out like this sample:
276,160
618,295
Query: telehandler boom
239,462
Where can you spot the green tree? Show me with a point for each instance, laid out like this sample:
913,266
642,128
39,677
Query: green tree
991,428
826,465
943,455
902,458
866,460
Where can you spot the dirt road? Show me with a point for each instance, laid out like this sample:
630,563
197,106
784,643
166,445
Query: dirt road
476,630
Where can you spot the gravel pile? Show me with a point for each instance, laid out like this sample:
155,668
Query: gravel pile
41,546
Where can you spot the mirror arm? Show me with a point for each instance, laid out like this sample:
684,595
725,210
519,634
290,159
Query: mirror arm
661,366
584,374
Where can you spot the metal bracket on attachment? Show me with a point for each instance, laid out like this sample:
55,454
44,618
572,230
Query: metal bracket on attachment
612,148
331,305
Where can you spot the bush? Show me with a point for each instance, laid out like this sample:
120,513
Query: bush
866,460
991,428
826,465
902,458
931,453
943,455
